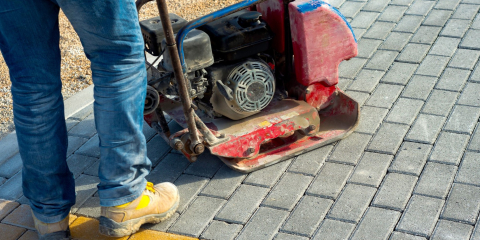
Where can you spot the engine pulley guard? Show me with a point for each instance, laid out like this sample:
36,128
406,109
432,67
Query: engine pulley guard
286,128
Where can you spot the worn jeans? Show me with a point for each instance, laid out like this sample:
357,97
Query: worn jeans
111,38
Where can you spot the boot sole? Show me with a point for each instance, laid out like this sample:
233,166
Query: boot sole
110,228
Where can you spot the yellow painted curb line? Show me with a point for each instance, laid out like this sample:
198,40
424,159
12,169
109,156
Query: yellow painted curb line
83,228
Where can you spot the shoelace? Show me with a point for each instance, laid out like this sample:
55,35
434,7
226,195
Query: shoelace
149,187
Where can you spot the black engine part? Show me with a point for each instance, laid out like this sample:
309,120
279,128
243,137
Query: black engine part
153,35
197,49
239,35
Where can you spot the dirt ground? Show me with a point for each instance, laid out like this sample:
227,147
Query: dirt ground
76,74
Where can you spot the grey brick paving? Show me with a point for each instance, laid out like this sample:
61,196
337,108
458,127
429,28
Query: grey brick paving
169,169
330,180
85,187
388,138
436,180
432,65
425,129
405,111
463,204
437,18
12,189
287,192
466,11
364,19
420,216
311,162
221,231
371,119
409,24
379,30
188,187
334,230
371,169
8,147
453,79
350,149
413,53
475,141
377,224
264,224
382,60
366,47
426,35
449,148
376,6
447,4
196,218
78,163
267,177
205,166
445,46
404,236
385,95
470,95
453,230
396,41
469,167
417,80
224,183
419,87
395,191
470,40
352,203
349,9
242,204
366,80
392,13
400,73
306,217
90,148
11,166
360,97
463,119
455,28
350,68
464,58
85,128
420,7
286,236
440,102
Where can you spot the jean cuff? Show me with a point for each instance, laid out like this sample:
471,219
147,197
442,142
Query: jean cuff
123,200
51,219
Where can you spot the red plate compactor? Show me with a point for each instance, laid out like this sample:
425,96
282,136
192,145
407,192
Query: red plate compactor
255,82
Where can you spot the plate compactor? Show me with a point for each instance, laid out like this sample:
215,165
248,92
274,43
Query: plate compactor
255,82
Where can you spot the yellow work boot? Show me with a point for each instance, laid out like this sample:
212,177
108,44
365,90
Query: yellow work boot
52,231
156,204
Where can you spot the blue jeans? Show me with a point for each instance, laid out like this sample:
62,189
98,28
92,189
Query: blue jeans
111,37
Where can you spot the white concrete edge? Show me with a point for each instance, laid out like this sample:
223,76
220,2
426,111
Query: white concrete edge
73,104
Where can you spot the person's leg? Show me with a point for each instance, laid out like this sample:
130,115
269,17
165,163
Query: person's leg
29,42
111,37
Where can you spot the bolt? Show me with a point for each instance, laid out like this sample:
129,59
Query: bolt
199,148
193,159
177,144
250,150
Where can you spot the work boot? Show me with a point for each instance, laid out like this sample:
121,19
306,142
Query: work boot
156,204
52,231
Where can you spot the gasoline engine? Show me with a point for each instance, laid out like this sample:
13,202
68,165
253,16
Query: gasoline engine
231,68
